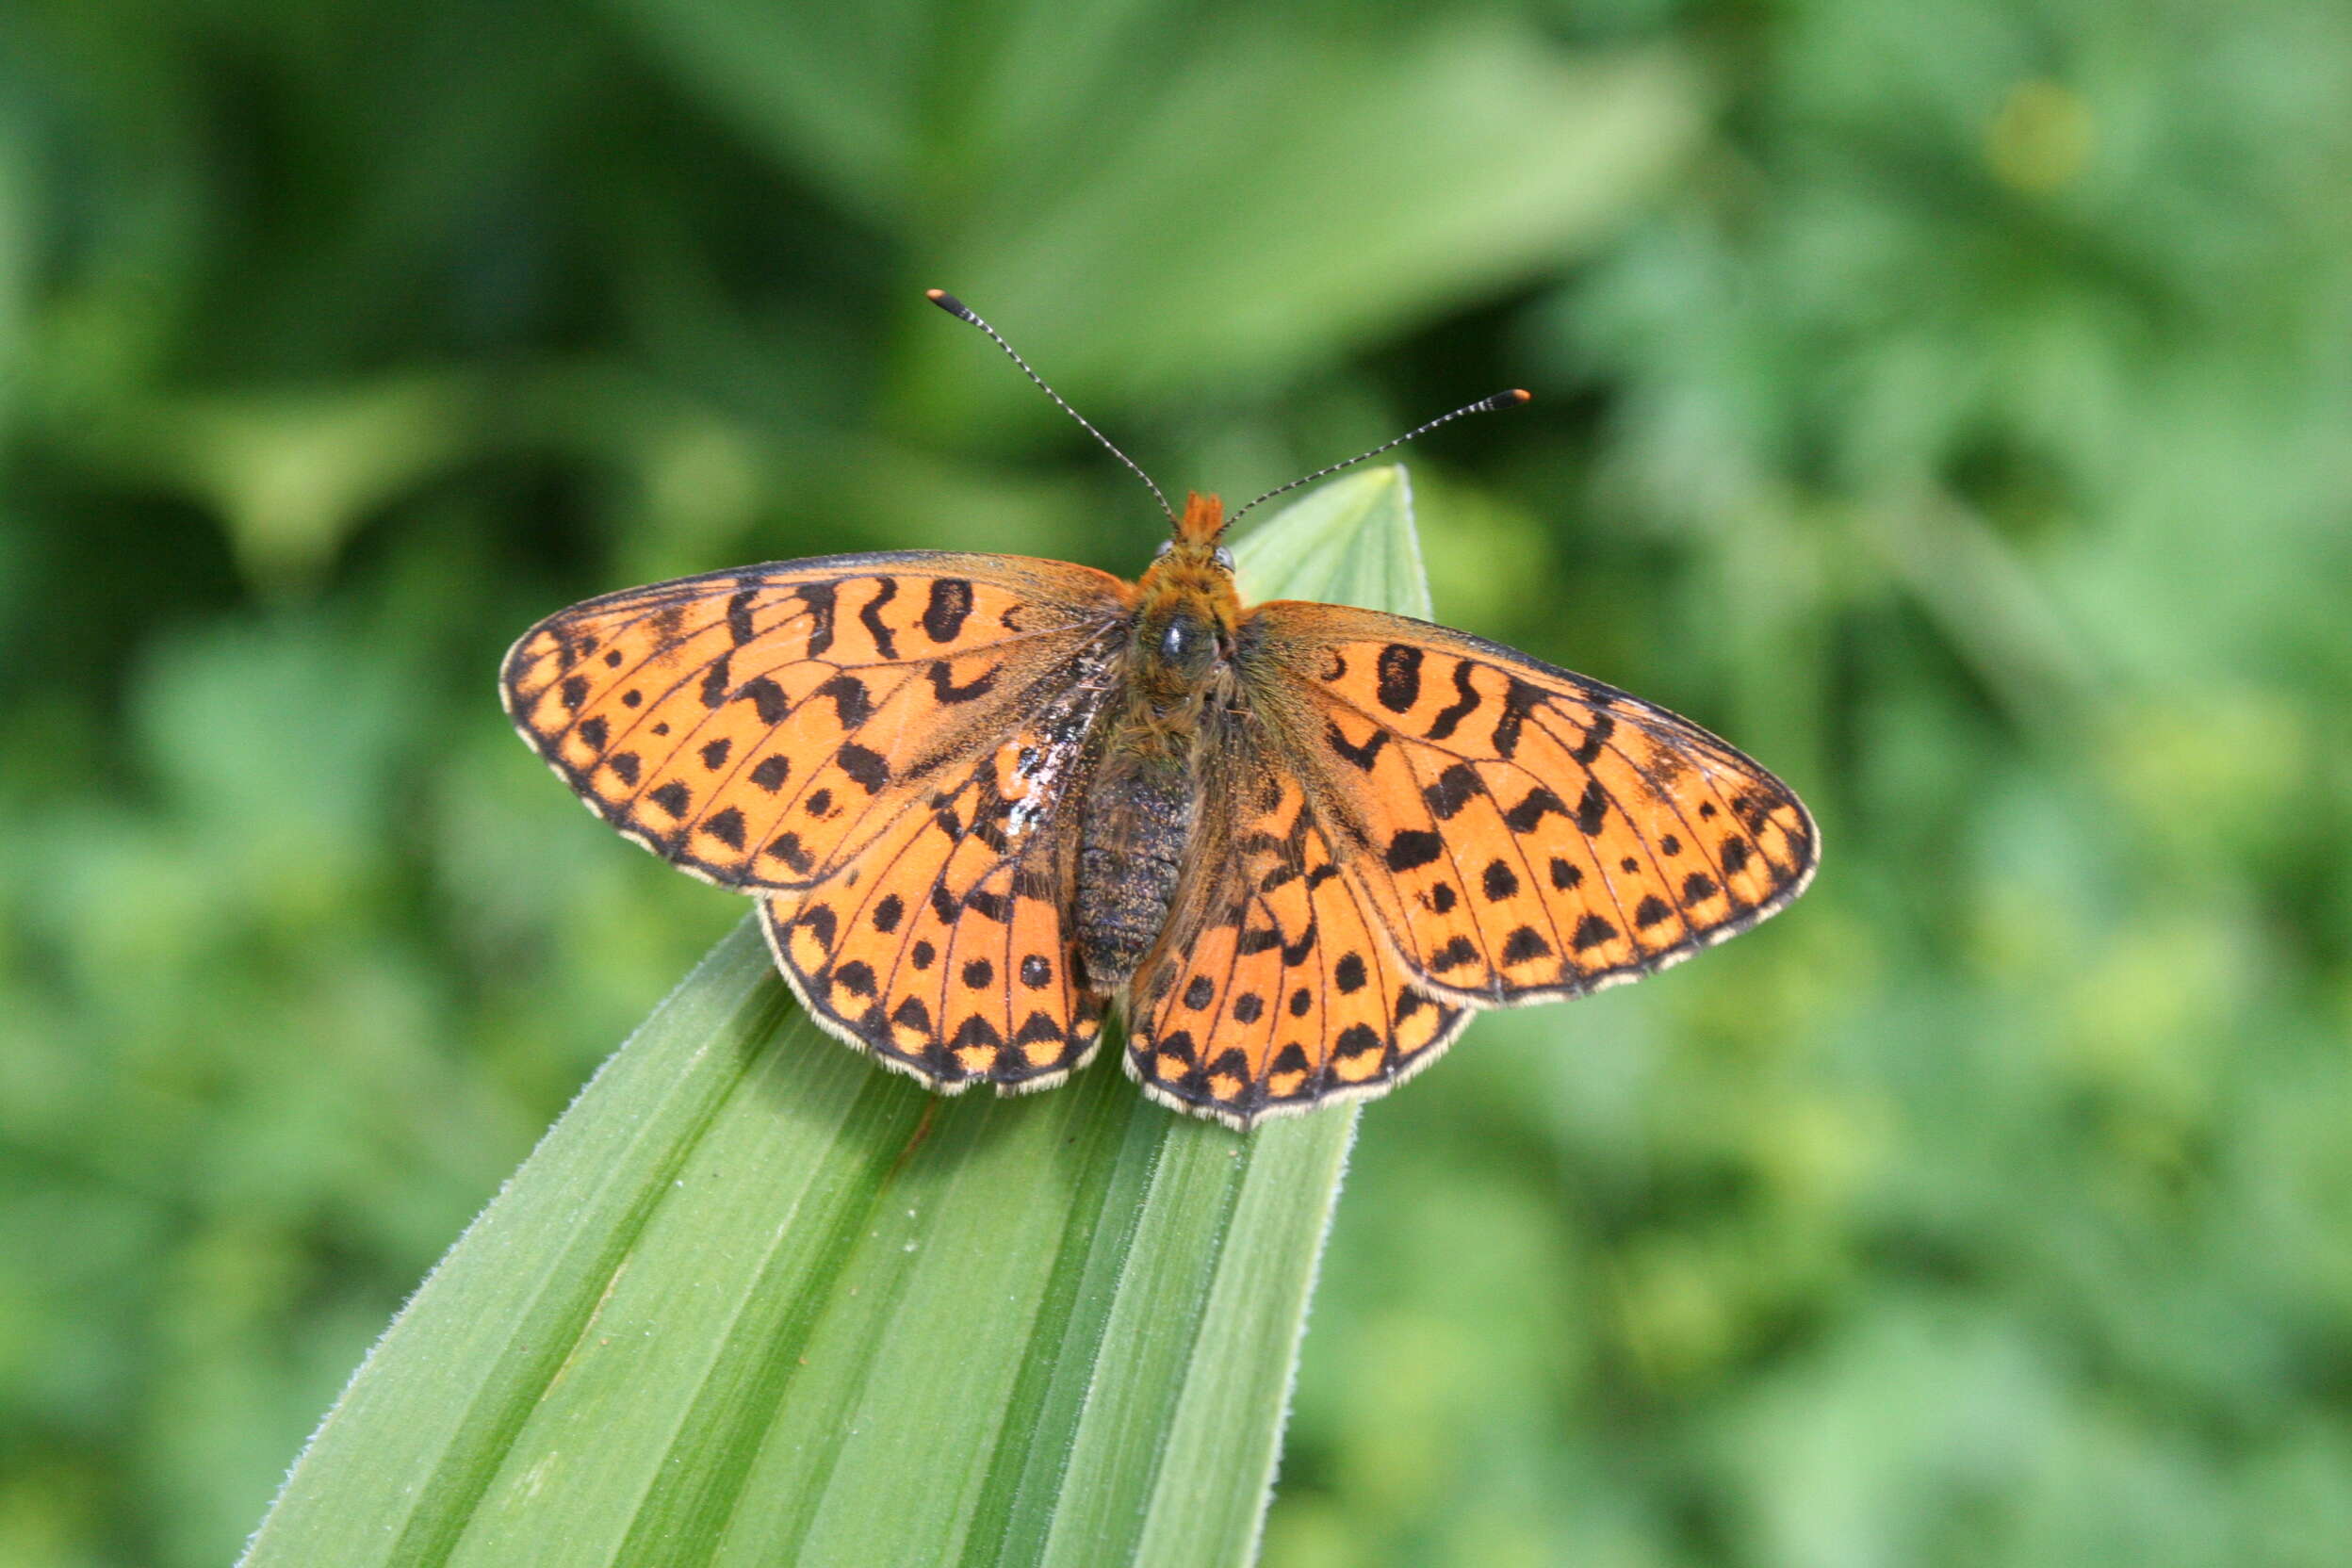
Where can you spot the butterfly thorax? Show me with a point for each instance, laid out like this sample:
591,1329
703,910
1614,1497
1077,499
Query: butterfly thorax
1143,791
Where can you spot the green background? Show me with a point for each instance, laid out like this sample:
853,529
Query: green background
1950,404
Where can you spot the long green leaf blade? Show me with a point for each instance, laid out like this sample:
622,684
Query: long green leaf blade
753,1301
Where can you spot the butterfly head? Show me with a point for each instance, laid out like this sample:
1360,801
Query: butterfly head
1186,606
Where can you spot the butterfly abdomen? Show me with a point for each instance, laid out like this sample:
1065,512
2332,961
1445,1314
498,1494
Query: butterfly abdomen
1131,837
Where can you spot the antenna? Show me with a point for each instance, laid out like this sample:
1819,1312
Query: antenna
962,312
1511,398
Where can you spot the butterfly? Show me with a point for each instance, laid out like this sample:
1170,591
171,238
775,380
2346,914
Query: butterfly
980,798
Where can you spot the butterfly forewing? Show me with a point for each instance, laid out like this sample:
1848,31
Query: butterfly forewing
759,727
1522,832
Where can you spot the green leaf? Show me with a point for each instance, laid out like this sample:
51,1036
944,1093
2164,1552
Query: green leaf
1348,542
754,1300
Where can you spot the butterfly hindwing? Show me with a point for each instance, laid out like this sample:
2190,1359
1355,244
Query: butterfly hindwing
1274,989
1521,832
942,947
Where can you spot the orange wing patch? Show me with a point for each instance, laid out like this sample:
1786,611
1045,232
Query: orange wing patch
1274,989
759,727
1521,832
943,948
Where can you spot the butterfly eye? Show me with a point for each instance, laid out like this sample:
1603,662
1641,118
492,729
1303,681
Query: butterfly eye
1224,558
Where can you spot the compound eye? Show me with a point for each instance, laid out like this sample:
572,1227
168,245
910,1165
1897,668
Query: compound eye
1224,558
1166,545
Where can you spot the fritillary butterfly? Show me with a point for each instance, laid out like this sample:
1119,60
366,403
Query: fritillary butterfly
980,798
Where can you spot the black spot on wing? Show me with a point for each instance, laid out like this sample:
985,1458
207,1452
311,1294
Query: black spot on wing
818,597
1455,788
787,847
1590,932
1591,808
1361,756
865,768
1589,749
1523,944
1455,954
1519,700
944,683
1465,703
870,617
767,697
951,601
850,704
1413,847
1532,808
727,826
1399,671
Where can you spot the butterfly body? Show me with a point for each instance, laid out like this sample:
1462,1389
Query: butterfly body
980,799
1141,797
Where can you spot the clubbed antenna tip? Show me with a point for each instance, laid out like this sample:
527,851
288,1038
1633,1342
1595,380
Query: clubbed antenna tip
1500,401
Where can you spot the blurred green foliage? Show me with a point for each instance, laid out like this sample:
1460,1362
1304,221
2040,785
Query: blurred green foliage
1948,403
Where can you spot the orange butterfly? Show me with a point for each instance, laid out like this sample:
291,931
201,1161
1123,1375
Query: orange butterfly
979,797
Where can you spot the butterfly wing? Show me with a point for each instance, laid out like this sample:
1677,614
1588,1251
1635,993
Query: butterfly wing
1519,832
878,746
757,727
1274,989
